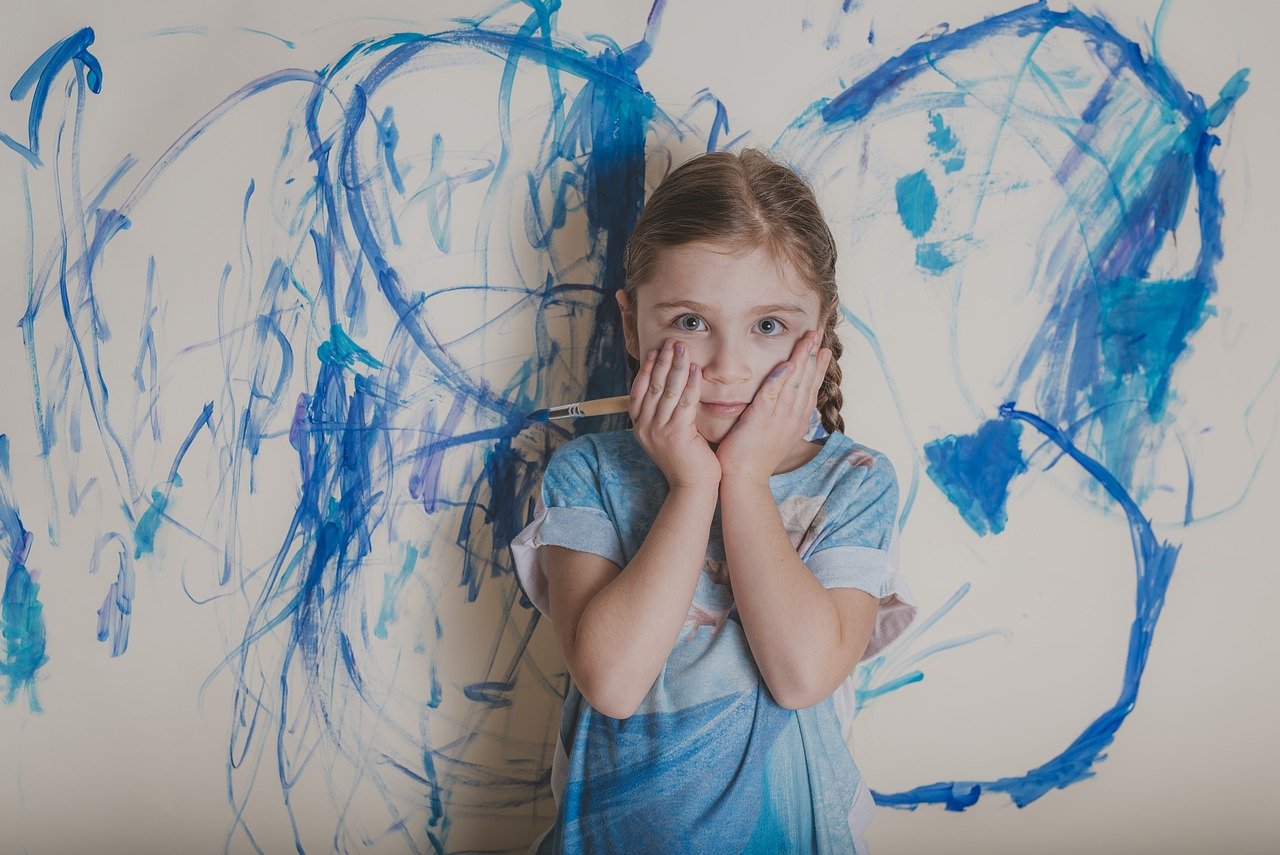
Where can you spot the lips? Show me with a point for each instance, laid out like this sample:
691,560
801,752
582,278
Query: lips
724,409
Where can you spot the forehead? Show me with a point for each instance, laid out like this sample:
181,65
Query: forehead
729,284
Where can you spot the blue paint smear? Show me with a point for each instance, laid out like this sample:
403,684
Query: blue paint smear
974,472
491,693
145,531
340,428
341,350
945,145
1144,327
22,630
115,616
1158,173
1154,562
1108,347
391,591
39,78
147,525
917,202
930,258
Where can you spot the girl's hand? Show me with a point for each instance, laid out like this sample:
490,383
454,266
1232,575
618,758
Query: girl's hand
665,397
778,416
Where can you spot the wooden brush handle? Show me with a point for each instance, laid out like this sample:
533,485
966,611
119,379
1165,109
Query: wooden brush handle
600,406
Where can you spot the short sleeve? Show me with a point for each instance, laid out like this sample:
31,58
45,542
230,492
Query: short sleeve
571,511
856,545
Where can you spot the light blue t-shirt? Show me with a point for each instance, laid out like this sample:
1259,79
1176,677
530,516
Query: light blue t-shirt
710,763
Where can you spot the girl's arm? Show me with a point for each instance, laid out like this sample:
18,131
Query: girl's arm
806,639
617,639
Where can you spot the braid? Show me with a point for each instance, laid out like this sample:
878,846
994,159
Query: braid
830,397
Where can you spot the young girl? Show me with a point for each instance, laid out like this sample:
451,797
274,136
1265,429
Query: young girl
714,574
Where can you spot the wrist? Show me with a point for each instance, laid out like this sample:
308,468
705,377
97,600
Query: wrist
743,476
693,487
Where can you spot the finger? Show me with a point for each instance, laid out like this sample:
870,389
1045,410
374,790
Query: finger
687,409
657,381
819,376
774,384
800,386
797,382
640,385
677,379
807,395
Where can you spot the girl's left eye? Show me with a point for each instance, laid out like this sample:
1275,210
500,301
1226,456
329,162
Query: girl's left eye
774,323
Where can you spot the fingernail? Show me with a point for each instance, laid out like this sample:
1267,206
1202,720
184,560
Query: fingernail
680,348
779,371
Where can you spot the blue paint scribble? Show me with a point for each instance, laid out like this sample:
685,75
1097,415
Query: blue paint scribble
1154,562
1059,102
391,439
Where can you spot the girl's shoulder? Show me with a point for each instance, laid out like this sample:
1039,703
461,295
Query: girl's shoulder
843,465
862,470
608,451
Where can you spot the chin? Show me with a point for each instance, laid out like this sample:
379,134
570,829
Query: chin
714,431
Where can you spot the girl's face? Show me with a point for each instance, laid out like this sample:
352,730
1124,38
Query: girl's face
739,318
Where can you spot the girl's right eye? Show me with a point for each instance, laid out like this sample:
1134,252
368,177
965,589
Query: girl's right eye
681,318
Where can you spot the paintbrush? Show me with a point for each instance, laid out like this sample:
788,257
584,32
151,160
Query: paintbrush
596,407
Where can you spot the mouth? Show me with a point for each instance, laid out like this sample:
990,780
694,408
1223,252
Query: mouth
723,408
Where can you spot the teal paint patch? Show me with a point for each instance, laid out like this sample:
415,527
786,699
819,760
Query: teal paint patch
946,147
1145,327
144,533
917,202
929,257
341,350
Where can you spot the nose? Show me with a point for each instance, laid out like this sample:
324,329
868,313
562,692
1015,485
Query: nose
725,363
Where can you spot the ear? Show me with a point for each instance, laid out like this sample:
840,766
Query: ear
628,323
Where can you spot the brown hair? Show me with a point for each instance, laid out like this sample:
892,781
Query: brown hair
744,201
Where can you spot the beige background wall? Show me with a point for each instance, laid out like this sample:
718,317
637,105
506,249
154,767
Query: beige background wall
248,711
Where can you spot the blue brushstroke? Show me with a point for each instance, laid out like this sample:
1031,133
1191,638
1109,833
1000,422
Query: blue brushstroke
38,79
391,591
1160,170
1111,340
115,615
307,622
342,351
490,692
144,533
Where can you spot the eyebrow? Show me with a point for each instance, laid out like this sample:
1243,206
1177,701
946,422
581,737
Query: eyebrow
775,308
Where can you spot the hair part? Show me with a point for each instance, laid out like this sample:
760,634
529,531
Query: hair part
742,202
